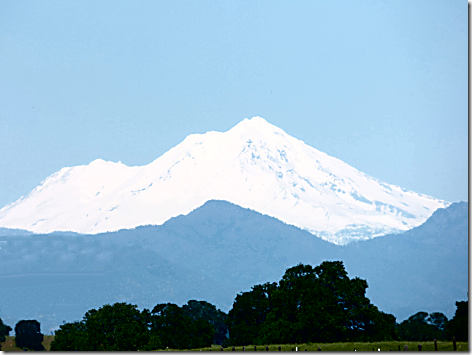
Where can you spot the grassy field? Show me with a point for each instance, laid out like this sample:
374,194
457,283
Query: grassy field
383,346
9,345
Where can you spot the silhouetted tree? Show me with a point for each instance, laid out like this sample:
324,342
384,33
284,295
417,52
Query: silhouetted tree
70,337
4,331
420,327
171,327
439,320
202,334
249,312
458,326
206,311
120,327
28,335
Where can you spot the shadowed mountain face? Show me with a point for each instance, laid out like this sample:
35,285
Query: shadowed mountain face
217,251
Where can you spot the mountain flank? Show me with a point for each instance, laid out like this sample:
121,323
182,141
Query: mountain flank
217,251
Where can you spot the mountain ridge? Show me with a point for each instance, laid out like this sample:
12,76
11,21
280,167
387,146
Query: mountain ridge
218,251
254,165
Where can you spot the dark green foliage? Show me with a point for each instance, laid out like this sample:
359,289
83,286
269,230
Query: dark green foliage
4,331
309,304
28,335
458,326
439,320
206,311
423,328
120,327
419,317
70,337
171,327
249,312
202,334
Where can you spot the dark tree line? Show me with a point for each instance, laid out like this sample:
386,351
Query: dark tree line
424,326
123,327
309,304
322,304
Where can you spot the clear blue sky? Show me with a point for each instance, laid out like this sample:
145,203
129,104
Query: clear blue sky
382,85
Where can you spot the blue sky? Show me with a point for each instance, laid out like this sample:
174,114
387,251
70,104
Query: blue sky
381,85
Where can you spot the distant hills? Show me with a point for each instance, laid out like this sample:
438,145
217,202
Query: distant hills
215,252
254,165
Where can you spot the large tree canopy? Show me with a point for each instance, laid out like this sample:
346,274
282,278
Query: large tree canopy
309,305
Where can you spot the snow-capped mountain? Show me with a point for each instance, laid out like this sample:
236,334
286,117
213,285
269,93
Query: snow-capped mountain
254,165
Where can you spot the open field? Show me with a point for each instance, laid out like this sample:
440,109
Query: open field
383,346
9,345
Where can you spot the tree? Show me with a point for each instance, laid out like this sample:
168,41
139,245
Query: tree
171,327
324,304
418,317
118,327
422,327
4,331
206,311
458,326
28,335
439,320
70,337
202,334
320,304
122,327
249,312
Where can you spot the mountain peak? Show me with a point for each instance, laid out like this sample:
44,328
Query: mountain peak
254,120
255,165
257,127
255,123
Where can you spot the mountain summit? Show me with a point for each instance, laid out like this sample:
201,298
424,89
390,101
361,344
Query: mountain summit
255,165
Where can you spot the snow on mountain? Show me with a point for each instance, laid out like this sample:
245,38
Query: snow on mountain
255,165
